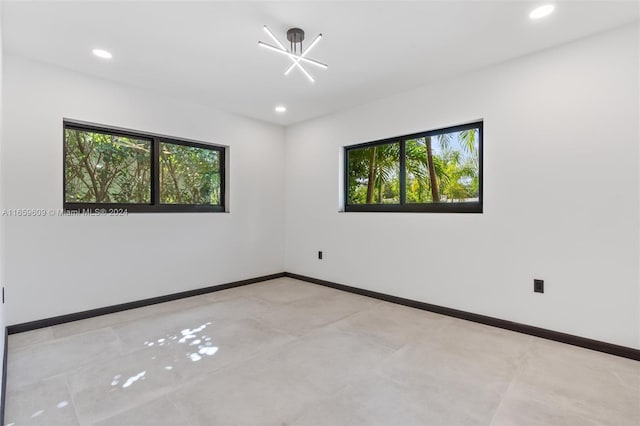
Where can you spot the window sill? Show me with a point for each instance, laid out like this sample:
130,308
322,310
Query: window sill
415,208
123,209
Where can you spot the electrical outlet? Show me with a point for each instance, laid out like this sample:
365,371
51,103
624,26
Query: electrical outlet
320,255
538,286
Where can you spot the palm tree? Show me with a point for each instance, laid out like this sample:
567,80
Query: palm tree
455,168
371,176
435,194
425,167
387,166
467,139
376,168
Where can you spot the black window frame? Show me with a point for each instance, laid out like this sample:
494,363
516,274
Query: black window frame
403,206
154,206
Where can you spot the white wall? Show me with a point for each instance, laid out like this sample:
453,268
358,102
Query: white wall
59,265
2,276
560,186
561,197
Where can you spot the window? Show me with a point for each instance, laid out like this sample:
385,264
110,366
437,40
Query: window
434,171
108,169
189,175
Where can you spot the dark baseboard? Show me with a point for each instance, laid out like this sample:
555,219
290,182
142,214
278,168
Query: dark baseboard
570,339
4,376
48,322
583,342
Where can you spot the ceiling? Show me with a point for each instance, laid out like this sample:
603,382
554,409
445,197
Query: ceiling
207,51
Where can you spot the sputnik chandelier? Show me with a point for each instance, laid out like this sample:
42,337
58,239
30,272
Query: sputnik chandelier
296,54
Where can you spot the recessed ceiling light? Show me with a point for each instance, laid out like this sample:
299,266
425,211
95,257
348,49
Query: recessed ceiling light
542,11
281,109
102,54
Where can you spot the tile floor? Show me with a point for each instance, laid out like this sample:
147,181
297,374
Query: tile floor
285,352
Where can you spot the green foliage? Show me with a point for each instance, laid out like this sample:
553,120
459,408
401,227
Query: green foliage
189,175
374,171
102,168
373,175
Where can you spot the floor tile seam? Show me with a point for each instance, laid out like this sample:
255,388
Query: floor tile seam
578,409
440,327
174,332
14,351
67,387
180,385
288,302
156,393
122,346
362,376
119,349
358,375
75,369
127,321
52,337
373,302
284,303
224,366
414,405
625,385
11,388
280,330
116,413
441,323
325,398
303,332
257,317
378,368
260,320
380,303
214,296
443,327
582,412
271,351
399,349
59,339
527,355
73,402
228,367
23,387
180,410
80,333
559,397
128,350
371,339
146,317
330,323
56,338
240,364
332,292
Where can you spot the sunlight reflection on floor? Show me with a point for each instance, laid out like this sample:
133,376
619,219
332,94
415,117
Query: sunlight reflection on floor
188,337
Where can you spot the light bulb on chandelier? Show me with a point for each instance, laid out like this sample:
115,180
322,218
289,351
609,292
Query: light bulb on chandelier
295,37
